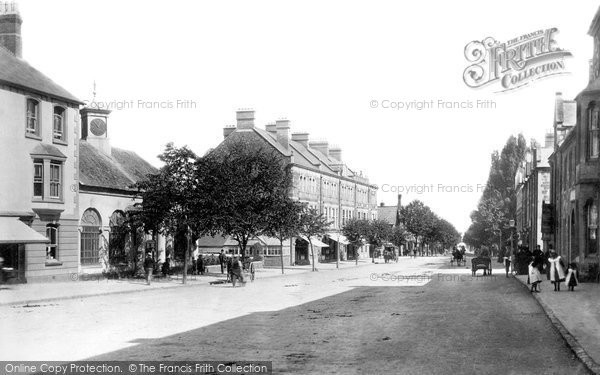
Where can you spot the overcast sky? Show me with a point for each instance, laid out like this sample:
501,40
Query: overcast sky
319,64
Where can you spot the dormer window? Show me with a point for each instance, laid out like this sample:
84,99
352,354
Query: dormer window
32,126
58,128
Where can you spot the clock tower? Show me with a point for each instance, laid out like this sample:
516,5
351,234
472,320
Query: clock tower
94,129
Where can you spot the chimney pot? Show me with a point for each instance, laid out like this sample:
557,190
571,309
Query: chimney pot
271,128
245,119
301,138
321,146
228,130
336,154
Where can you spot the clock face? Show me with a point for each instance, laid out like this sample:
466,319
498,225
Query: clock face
98,127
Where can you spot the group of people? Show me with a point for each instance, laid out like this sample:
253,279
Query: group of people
549,263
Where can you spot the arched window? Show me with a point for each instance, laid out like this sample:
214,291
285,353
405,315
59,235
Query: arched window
592,227
90,237
593,131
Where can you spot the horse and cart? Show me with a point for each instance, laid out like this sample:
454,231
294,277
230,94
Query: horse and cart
458,257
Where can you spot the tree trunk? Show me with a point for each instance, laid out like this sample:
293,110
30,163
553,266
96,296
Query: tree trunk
356,254
312,254
186,255
281,254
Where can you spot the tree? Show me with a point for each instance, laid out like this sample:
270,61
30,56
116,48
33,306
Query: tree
419,220
357,232
284,222
379,233
312,223
168,196
399,236
498,201
239,184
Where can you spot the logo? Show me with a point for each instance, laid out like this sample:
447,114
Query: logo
515,63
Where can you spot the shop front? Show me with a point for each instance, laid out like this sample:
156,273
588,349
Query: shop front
15,236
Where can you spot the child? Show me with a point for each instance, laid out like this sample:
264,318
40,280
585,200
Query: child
572,277
534,277
557,271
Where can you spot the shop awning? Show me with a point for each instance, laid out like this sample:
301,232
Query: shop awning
13,230
315,241
340,238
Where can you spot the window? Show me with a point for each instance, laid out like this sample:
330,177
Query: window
593,129
273,250
32,124
55,180
52,247
592,227
58,128
90,237
38,179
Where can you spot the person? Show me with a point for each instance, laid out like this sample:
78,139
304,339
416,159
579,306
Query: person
252,271
222,260
237,271
195,261
229,263
149,267
557,270
507,261
166,267
200,265
571,279
535,277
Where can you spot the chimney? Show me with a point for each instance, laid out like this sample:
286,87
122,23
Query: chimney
381,204
399,201
321,146
283,130
271,128
10,28
301,138
228,130
549,140
335,153
245,119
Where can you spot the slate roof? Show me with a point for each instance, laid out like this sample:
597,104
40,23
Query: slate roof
387,213
16,72
119,171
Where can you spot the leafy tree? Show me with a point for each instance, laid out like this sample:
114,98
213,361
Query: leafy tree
419,220
399,236
284,222
168,196
312,223
356,231
379,233
498,201
240,183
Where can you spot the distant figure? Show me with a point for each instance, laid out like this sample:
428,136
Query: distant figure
222,260
149,267
535,278
507,262
557,270
571,279
166,267
200,264
252,271
229,264
237,271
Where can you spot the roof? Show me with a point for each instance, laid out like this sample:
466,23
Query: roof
18,73
306,157
12,230
119,171
46,150
387,213
211,242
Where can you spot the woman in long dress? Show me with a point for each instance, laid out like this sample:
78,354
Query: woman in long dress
557,270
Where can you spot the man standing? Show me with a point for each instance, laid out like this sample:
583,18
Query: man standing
149,267
222,260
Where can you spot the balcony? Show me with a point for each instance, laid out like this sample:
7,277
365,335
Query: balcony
588,172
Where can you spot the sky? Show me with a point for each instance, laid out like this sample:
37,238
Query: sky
177,71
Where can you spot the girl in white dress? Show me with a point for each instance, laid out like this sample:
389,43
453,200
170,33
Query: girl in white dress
557,270
534,277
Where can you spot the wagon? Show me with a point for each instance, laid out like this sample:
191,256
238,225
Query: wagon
481,263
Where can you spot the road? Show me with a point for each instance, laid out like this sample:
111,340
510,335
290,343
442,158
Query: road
417,316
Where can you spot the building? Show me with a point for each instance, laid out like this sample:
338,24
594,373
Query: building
39,204
532,185
106,195
321,179
575,165
64,189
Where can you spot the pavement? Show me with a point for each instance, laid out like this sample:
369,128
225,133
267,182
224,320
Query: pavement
575,315
89,285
